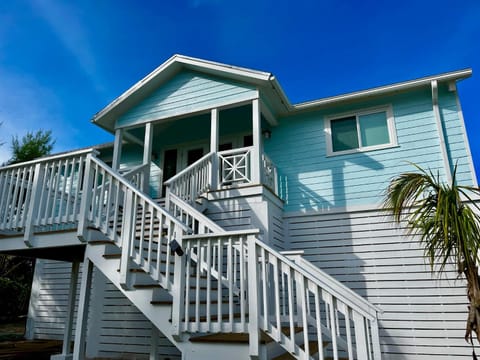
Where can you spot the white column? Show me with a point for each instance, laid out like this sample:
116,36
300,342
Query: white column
82,312
256,159
117,149
72,295
214,148
147,155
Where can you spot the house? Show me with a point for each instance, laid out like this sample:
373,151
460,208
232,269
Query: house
226,222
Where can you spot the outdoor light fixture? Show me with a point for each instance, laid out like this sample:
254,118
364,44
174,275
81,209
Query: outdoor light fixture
267,134
175,248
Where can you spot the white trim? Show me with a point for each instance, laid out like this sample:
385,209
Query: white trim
392,134
381,90
465,139
441,135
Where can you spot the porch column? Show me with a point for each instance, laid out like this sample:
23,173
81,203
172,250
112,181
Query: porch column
117,149
72,295
147,156
214,148
256,159
82,312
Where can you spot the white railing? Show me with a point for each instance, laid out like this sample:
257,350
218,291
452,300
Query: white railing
192,181
235,166
207,303
260,289
137,176
269,174
133,221
196,222
226,282
42,193
299,307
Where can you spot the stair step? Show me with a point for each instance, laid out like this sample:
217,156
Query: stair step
147,286
112,256
313,346
240,338
167,302
214,317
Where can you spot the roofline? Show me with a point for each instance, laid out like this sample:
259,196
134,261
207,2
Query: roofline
239,73
381,90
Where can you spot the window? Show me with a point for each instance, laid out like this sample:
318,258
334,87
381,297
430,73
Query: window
365,130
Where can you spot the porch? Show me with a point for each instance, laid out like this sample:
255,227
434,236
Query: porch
217,149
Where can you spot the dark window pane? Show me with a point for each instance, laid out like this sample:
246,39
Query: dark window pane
344,134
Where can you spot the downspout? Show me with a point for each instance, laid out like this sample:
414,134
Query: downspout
443,146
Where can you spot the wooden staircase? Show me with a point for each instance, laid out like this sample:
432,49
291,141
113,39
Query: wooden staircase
222,293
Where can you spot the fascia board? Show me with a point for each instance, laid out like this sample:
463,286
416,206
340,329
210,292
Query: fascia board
167,69
382,90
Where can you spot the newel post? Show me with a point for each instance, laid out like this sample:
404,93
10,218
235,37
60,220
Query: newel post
127,237
253,305
33,209
87,197
178,288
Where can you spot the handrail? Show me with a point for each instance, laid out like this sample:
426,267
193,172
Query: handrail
327,282
275,293
42,192
134,170
51,157
137,192
137,176
187,169
181,209
236,151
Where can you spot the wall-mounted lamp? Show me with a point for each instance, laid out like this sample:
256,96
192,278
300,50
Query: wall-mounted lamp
175,248
267,134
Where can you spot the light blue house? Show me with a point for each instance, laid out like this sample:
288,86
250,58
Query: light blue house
226,222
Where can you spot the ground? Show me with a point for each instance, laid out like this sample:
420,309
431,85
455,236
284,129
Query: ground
14,346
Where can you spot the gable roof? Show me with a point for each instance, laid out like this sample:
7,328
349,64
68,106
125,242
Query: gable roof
265,81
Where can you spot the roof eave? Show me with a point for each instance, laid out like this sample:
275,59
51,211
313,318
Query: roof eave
382,90
169,67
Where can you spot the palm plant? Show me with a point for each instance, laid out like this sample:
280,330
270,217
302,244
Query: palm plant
444,218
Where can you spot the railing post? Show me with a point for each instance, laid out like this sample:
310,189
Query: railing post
129,214
253,305
86,202
37,188
360,336
178,289
377,354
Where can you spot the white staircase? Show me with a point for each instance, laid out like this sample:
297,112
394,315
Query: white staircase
228,293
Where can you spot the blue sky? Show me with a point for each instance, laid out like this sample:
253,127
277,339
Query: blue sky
62,61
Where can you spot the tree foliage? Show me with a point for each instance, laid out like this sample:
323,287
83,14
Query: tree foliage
31,146
445,219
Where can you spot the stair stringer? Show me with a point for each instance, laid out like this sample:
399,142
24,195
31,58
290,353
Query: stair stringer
159,315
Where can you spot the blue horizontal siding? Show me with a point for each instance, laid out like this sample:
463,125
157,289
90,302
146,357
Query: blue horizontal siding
187,92
311,180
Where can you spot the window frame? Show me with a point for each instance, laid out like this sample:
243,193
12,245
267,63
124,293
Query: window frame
392,133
